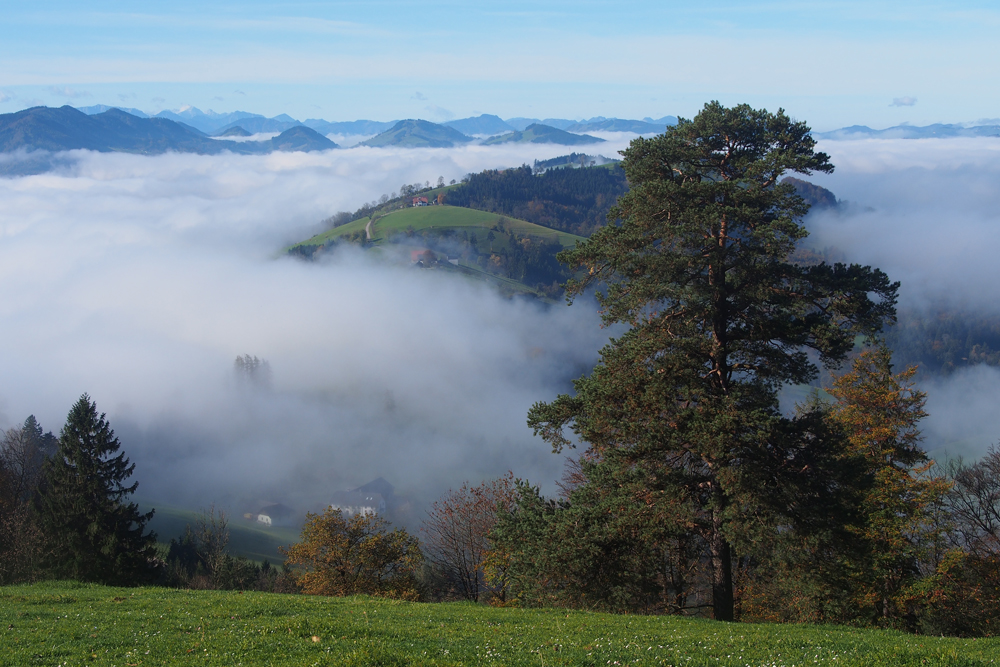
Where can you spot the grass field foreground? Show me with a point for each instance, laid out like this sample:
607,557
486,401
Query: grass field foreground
80,624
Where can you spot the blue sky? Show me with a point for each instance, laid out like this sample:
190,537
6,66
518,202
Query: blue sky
829,63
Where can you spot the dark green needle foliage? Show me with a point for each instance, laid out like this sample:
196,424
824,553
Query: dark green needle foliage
680,417
95,533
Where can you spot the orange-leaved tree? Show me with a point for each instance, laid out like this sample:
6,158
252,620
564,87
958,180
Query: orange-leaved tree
879,412
356,555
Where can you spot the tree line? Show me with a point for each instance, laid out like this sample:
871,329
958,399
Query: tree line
570,200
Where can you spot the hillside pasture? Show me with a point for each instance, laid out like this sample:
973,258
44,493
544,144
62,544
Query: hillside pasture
335,233
64,623
460,218
440,219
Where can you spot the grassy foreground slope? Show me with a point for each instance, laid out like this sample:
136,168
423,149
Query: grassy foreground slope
76,624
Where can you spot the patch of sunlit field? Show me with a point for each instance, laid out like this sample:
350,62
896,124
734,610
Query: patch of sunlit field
80,624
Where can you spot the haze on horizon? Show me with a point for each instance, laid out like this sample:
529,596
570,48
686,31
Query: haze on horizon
835,64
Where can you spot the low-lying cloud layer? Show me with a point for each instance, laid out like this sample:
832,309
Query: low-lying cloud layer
927,212
140,279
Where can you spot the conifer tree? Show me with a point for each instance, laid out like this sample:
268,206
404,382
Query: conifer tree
719,317
95,532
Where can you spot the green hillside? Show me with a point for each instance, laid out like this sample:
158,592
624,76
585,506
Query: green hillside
456,217
246,538
63,623
418,134
517,256
439,219
543,134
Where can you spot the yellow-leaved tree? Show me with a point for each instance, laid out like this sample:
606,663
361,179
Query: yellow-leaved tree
879,411
355,555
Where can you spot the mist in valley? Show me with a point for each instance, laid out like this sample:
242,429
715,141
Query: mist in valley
140,279
927,212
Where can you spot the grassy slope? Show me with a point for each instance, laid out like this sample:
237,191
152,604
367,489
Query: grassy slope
330,234
246,538
75,624
441,218
456,217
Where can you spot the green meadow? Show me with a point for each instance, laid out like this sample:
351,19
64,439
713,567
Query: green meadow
441,218
63,623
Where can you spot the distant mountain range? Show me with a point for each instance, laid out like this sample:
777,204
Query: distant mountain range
936,131
113,130
484,124
418,134
349,128
104,128
537,133
598,124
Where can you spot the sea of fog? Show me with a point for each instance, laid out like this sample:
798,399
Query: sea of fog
139,280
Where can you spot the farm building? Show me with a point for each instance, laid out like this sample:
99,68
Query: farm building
371,498
420,201
272,514
358,502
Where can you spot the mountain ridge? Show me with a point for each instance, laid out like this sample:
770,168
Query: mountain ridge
416,133
536,133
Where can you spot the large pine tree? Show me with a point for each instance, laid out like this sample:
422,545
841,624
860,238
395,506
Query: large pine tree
95,533
719,318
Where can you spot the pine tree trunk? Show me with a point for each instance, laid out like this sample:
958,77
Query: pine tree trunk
722,572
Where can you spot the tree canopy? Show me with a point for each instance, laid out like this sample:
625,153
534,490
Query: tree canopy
684,405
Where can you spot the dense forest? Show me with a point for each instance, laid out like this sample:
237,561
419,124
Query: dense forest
943,340
570,200
500,251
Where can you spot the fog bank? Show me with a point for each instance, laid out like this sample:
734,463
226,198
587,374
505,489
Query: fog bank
139,280
927,212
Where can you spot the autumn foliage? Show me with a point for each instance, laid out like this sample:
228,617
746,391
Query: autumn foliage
879,412
355,555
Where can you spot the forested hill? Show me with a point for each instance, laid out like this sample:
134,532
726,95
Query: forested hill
570,200
66,128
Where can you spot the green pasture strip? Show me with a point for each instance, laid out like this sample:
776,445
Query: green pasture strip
330,234
246,538
458,217
72,624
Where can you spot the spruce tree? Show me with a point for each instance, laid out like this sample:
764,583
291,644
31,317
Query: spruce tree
94,532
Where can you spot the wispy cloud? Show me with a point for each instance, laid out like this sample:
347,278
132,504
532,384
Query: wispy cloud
418,96
66,91
439,113
5,97
903,101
